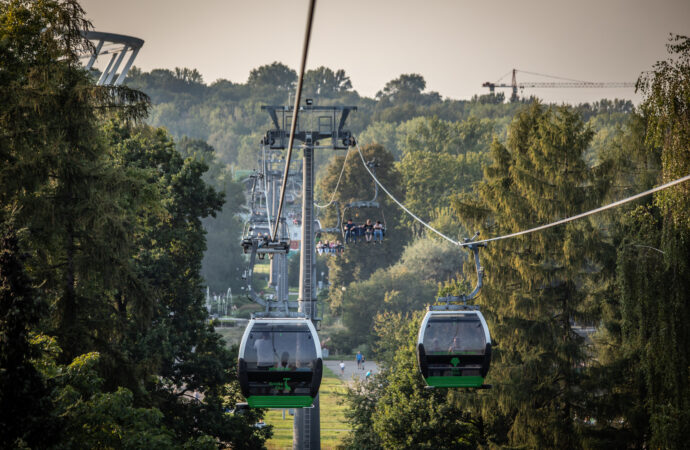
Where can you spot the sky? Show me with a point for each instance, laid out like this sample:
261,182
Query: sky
456,45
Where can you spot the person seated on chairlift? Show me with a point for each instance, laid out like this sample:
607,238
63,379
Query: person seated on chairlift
368,231
339,247
350,232
319,247
378,232
331,248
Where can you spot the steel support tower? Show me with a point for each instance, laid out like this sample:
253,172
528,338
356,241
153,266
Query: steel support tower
278,276
324,123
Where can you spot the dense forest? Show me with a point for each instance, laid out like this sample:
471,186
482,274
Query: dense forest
119,206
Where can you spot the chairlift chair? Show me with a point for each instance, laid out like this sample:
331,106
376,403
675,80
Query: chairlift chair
333,230
364,205
258,233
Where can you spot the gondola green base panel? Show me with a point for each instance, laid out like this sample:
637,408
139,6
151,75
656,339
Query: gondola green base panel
451,382
280,401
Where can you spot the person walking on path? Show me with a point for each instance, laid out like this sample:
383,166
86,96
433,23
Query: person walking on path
359,360
342,368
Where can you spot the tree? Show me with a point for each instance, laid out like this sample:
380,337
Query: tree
71,197
537,285
407,88
394,410
356,185
653,264
384,134
441,159
412,84
408,285
174,341
222,262
114,243
23,405
189,76
274,77
323,82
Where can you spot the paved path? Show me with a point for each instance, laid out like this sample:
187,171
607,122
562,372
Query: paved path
351,372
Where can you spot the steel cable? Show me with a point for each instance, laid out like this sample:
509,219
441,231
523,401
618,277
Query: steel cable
295,111
531,230
336,184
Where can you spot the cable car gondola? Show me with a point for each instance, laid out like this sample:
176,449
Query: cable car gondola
454,343
454,348
280,363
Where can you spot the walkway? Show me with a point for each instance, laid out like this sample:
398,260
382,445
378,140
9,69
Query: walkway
351,371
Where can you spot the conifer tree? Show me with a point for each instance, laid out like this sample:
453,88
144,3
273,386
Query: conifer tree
537,285
54,165
23,403
114,239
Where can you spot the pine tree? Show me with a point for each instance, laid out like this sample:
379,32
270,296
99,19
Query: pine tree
54,164
537,286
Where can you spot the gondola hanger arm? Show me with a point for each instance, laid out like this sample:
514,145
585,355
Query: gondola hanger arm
474,248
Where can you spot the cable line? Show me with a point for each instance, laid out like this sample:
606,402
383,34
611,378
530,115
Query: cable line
531,230
295,111
594,211
336,184
268,207
400,204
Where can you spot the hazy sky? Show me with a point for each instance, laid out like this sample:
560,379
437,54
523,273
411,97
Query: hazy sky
456,45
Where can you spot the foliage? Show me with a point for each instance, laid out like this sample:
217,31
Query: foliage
394,410
324,83
91,418
652,270
667,109
23,391
406,286
356,185
537,285
222,262
113,244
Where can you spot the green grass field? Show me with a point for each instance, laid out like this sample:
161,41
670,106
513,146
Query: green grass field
333,425
263,268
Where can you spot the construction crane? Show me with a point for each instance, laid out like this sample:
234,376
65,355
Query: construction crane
567,83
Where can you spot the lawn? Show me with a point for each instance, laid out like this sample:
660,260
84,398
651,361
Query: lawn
262,268
333,425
